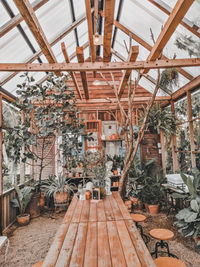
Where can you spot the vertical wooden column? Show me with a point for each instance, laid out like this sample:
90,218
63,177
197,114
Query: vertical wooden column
163,155
191,130
1,177
174,144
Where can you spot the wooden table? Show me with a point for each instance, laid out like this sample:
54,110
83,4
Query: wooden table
98,233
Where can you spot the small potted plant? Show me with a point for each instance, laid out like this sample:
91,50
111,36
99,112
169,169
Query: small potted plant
152,193
58,188
23,198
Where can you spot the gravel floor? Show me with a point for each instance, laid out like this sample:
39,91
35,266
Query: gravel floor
29,244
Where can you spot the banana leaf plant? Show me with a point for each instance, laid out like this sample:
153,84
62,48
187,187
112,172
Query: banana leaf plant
23,198
189,218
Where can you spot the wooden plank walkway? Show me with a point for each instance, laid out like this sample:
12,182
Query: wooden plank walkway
98,233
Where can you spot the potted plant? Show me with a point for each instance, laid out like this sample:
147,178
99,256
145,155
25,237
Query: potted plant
118,163
58,188
188,219
24,196
152,192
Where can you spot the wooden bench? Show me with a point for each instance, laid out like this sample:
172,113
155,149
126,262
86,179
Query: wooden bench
98,233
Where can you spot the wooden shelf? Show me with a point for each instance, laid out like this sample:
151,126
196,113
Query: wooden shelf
111,140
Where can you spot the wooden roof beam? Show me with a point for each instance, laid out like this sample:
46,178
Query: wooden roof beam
194,29
29,16
126,74
170,26
18,18
70,72
109,8
80,57
145,44
90,30
100,66
55,41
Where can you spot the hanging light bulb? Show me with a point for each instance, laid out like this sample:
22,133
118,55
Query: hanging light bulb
98,39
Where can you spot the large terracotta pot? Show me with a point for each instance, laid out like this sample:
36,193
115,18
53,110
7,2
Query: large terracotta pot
23,219
61,197
146,207
42,201
153,209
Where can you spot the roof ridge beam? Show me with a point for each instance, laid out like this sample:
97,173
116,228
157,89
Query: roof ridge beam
109,8
90,30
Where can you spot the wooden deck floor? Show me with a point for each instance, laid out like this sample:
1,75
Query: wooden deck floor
98,234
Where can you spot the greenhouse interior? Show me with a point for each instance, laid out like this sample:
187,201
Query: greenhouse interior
99,133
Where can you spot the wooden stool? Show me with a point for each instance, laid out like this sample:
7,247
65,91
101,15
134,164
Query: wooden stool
162,235
140,218
38,264
169,262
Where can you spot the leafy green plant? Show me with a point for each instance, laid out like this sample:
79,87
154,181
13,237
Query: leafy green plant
159,119
189,218
118,161
49,112
169,78
56,184
24,196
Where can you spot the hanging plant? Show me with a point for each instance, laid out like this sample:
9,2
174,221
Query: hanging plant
169,79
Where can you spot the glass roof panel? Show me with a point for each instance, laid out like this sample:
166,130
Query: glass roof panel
4,17
54,17
152,18
193,13
13,48
30,35
79,7
82,30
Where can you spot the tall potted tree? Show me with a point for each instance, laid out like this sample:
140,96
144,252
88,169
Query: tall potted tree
48,111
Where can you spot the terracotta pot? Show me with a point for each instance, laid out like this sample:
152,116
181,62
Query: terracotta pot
153,209
113,137
115,172
87,195
61,197
23,219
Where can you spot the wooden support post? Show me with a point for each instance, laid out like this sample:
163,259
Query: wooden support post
1,176
174,145
80,57
163,155
191,130
65,54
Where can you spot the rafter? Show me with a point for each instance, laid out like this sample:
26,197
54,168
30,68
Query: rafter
194,29
101,66
18,18
29,16
55,41
170,26
80,57
109,7
71,72
145,44
90,30
126,74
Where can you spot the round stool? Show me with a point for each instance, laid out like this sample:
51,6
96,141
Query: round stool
38,264
140,218
162,235
169,262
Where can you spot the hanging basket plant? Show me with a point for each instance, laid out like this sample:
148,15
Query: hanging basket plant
169,79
